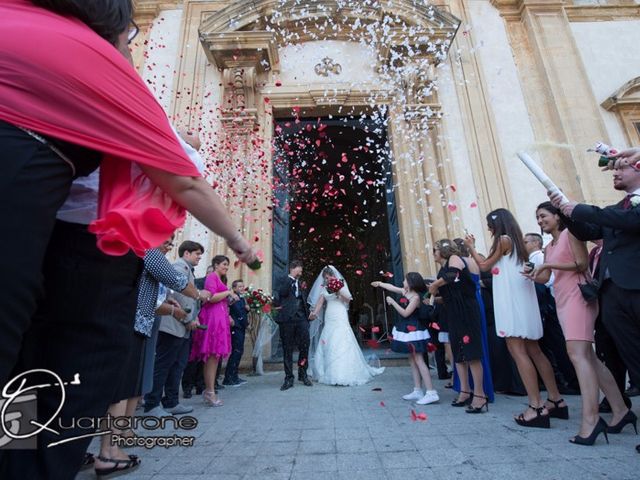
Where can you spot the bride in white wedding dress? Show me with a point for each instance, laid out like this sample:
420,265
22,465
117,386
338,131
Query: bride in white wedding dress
335,357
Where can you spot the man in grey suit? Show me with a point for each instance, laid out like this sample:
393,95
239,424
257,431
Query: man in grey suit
172,349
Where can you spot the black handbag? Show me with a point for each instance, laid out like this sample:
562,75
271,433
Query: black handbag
589,289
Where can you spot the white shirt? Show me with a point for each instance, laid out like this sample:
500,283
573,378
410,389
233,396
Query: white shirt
81,205
537,258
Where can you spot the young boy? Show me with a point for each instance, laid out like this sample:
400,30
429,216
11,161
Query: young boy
239,313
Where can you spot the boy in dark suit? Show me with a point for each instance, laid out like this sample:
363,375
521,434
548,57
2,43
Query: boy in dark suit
239,311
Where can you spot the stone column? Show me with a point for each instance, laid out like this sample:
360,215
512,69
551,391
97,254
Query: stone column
558,94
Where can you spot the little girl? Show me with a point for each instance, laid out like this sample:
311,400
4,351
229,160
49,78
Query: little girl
410,335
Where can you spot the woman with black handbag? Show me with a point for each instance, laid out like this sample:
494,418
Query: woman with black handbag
567,258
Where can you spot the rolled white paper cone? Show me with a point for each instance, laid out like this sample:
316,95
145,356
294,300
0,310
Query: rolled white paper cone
542,177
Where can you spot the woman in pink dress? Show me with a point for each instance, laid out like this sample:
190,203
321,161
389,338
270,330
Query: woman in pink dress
214,343
567,258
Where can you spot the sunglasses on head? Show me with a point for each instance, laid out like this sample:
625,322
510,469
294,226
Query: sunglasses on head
133,32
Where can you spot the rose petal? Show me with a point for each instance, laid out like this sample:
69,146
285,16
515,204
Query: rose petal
495,271
465,339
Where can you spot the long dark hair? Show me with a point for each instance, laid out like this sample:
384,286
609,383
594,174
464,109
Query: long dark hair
217,260
108,18
416,282
548,206
502,222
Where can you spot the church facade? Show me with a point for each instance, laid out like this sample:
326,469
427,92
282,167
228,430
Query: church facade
462,85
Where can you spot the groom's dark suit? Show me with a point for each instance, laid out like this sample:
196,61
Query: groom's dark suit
293,319
618,273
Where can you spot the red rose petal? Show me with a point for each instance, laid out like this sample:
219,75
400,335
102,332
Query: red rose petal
435,326
473,205
495,271
375,329
452,207
431,347
382,403
465,339
411,328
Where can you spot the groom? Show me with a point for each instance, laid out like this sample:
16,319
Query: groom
293,319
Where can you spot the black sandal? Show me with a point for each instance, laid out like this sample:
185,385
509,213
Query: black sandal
462,403
539,421
129,466
484,406
557,411
88,461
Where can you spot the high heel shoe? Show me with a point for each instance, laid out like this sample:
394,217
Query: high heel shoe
462,403
629,418
601,427
557,411
539,421
484,406
210,399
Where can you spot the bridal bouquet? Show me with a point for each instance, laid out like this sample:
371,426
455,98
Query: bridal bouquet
258,300
334,285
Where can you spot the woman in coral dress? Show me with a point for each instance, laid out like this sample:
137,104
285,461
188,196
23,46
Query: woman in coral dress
566,257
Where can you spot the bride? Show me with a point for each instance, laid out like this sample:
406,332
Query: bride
335,357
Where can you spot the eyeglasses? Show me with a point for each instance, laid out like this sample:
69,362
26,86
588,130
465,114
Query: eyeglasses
134,30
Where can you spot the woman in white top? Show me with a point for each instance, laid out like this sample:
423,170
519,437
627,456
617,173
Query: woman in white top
518,316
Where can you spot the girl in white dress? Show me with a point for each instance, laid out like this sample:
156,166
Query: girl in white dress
335,357
518,316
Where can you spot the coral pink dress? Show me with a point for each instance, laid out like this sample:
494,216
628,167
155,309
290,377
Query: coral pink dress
216,339
577,317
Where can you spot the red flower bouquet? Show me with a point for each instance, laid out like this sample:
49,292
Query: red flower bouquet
258,300
334,285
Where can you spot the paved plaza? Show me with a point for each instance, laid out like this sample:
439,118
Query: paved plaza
360,433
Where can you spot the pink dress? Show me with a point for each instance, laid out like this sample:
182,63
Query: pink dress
216,339
577,317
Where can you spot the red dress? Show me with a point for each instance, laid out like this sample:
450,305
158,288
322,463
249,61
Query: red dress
216,339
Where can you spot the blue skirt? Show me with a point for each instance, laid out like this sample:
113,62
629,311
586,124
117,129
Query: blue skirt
409,336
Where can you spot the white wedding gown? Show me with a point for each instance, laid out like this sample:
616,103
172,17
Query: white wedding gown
338,359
